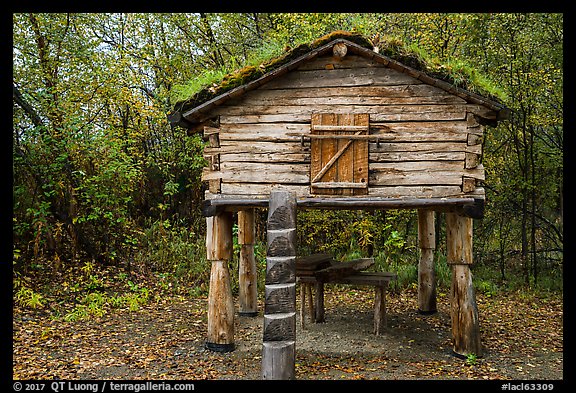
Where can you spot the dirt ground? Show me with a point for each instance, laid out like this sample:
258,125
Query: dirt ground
522,336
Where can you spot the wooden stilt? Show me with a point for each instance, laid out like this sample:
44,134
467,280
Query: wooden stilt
247,273
426,274
279,341
220,302
463,309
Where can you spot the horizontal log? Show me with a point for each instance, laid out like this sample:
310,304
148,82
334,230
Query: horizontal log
253,172
377,112
432,191
472,206
364,76
419,166
394,177
349,99
389,91
278,158
263,189
423,146
256,191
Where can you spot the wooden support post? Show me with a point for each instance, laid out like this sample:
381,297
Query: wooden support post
426,274
463,309
220,302
380,320
319,295
279,341
247,273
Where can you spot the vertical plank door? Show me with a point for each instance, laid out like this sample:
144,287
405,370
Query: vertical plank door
339,165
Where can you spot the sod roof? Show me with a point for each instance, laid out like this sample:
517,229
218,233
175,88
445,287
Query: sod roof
461,81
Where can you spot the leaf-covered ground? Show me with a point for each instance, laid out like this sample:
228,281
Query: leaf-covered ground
522,335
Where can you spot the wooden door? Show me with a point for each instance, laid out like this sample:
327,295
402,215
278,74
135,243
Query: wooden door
339,154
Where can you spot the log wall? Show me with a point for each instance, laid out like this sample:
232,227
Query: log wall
430,141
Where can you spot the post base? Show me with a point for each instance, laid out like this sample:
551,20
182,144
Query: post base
462,356
430,312
248,313
219,347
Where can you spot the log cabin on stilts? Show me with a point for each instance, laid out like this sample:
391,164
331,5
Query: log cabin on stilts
336,124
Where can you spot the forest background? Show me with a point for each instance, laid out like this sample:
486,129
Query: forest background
107,193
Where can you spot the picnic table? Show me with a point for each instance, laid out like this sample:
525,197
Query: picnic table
319,269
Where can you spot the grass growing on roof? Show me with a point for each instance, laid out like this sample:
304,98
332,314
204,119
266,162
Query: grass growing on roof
272,55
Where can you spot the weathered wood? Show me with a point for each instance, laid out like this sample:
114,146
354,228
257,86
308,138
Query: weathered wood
220,335
426,273
339,50
250,172
219,237
379,280
280,270
319,302
416,192
311,309
459,239
464,313
281,242
339,162
485,107
472,160
391,176
361,76
313,262
247,272
302,306
278,360
378,113
338,184
279,298
380,319
247,281
339,270
246,226
403,93
468,184
432,147
219,204
256,190
280,288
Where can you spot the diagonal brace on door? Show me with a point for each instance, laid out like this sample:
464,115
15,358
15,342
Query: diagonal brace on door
333,159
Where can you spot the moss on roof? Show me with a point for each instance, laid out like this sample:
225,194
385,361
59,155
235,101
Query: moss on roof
457,73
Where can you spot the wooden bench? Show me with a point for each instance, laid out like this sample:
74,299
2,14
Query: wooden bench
379,280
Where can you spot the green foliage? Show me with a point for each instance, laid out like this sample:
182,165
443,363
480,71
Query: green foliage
175,251
99,175
471,359
26,297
